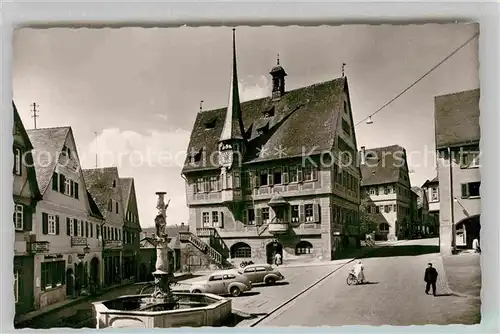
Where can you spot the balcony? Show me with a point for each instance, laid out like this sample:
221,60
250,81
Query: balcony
78,241
113,244
39,246
278,227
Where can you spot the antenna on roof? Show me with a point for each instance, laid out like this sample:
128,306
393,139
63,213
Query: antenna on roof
343,67
35,113
201,105
96,149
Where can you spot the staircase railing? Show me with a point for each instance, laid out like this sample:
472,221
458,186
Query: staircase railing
201,245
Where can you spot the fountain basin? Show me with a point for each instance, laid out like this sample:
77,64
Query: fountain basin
138,311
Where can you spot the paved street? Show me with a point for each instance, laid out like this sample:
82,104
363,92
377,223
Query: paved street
395,297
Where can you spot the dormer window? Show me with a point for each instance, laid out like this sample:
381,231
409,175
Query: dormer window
210,123
195,155
66,151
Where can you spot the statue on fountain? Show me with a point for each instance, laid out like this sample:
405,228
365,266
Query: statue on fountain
163,277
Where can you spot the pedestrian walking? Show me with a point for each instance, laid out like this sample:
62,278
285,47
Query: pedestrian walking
430,278
277,259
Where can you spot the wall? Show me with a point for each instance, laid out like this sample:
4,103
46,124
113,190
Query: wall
472,206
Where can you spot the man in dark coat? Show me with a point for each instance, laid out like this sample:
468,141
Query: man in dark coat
430,279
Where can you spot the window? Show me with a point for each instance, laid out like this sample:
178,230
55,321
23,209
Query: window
251,216
383,228
386,190
265,215
249,270
116,207
261,269
263,177
52,224
16,286
469,159
309,173
309,212
67,186
215,218
293,174
394,208
372,191
471,189
295,213
346,127
79,226
17,161
199,185
277,175
245,180
387,208
114,183
206,219
18,216
241,250
229,276
110,205
71,226
303,247
236,179
434,194
213,183
52,274
215,278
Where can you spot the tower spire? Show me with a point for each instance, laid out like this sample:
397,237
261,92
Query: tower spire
233,124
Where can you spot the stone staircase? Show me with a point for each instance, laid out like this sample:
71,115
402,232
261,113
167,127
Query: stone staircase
213,254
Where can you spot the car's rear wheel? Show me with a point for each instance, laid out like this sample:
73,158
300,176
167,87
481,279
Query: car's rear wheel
196,291
235,291
270,280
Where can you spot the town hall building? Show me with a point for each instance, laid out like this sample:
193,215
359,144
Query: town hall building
273,175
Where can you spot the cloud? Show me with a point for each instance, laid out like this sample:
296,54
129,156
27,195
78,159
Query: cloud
132,149
251,89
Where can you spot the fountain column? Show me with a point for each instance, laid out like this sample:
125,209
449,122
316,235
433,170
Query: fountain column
163,277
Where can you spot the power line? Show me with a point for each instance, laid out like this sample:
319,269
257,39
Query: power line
420,79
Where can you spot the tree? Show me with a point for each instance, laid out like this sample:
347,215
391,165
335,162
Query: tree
367,222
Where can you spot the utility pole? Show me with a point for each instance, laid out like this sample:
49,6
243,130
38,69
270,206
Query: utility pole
343,66
96,149
35,113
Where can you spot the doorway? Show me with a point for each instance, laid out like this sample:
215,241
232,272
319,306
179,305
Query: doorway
69,282
273,248
94,271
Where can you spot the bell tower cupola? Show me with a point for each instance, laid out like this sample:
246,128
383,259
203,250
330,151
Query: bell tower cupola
278,74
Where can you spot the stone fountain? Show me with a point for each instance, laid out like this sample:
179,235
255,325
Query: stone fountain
163,308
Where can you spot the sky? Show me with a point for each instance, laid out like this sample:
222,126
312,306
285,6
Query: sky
132,94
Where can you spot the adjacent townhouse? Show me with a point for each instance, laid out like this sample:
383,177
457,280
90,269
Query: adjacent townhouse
458,160
104,187
273,175
66,246
131,230
386,185
424,225
26,194
431,187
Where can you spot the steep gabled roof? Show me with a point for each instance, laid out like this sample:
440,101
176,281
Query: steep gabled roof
48,143
304,120
383,165
99,183
94,209
126,188
428,183
19,126
457,119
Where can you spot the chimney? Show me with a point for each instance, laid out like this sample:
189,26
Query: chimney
362,155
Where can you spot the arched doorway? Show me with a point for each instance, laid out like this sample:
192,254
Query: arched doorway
240,250
303,248
69,282
466,231
94,271
271,249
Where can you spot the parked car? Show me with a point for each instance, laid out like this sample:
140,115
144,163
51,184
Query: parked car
262,273
222,283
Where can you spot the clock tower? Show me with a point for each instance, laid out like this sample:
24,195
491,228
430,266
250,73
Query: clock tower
232,140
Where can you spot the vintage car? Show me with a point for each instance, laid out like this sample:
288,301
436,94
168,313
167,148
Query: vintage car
262,273
222,283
